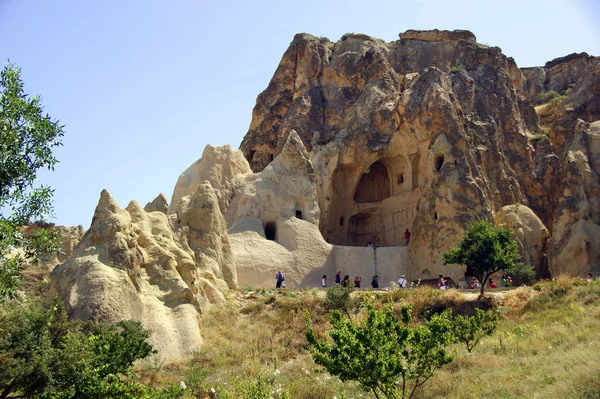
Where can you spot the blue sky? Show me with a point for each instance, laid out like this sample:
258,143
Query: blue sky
143,85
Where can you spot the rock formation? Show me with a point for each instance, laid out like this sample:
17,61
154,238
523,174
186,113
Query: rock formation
355,142
160,270
429,133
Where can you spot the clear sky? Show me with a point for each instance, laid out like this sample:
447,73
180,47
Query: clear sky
143,85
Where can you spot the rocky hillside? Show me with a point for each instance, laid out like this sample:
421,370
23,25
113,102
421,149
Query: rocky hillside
431,131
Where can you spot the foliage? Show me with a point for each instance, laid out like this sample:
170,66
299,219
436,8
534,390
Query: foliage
383,354
46,355
27,138
547,96
470,330
485,249
340,298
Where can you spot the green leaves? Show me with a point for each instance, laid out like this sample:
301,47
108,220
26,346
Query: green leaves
45,354
27,138
383,354
470,330
485,249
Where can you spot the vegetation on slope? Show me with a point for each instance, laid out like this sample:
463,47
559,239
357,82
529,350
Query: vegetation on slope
544,346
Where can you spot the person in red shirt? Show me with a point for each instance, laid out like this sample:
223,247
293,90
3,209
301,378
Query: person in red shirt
406,237
492,284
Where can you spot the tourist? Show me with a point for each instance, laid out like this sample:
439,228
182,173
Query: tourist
406,237
357,281
402,282
509,282
280,279
442,283
370,244
324,281
589,278
503,282
492,284
338,277
375,281
475,283
346,281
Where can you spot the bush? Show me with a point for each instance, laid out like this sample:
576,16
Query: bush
382,354
339,298
45,354
470,330
547,96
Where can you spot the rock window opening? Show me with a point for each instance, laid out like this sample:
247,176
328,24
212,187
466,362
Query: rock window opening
299,214
374,185
439,161
271,231
400,178
455,162
341,221
435,215
251,155
271,157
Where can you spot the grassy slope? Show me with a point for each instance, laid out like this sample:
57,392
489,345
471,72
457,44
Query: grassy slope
547,346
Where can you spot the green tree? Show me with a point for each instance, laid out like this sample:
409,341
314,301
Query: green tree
27,138
340,298
383,354
485,249
45,355
470,330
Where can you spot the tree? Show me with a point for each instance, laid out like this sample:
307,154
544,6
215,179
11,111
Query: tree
340,298
485,249
383,354
45,355
470,330
27,138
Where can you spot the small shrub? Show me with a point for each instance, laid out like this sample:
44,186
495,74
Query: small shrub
470,330
339,298
547,96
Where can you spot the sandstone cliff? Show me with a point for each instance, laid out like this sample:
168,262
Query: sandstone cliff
158,269
428,133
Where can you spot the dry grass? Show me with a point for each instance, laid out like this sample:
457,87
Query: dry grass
546,345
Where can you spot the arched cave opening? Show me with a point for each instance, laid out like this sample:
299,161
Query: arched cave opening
341,220
439,162
251,155
364,228
374,186
271,157
271,231
400,178
298,214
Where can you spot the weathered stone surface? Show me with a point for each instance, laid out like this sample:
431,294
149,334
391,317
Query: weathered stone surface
219,166
69,238
427,133
159,204
530,233
133,264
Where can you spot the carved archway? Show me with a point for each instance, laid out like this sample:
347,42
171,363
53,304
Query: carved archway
374,185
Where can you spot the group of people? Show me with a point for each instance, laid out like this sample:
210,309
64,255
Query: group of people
345,282
505,281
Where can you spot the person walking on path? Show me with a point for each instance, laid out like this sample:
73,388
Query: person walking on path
357,281
442,283
406,237
402,282
324,281
338,277
375,281
346,281
280,279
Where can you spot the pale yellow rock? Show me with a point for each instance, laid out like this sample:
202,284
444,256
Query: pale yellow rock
133,264
219,166
530,232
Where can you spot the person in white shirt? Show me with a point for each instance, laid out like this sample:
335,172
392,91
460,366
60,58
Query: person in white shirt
402,282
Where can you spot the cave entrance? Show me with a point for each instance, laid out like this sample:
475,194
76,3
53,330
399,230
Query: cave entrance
364,228
374,185
271,231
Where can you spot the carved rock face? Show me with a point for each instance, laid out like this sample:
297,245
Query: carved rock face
158,269
426,133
